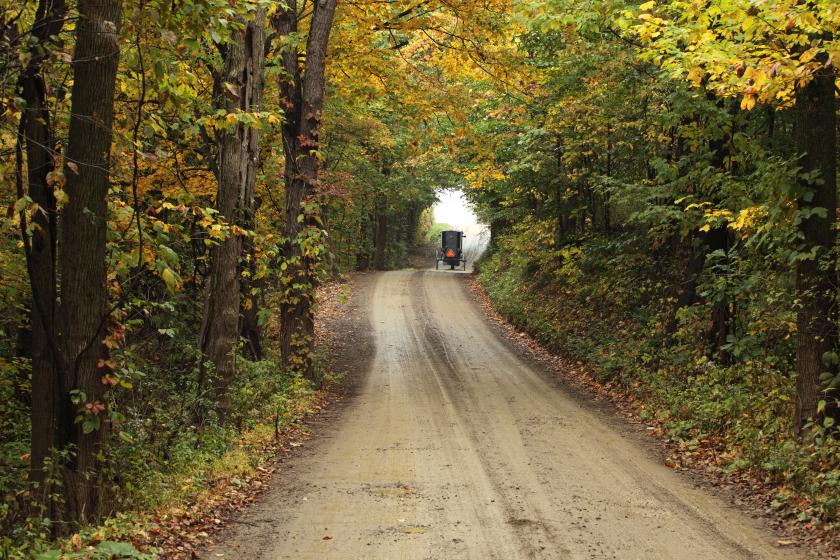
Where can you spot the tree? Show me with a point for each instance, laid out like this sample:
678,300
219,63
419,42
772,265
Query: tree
380,241
85,307
238,90
38,137
303,92
816,270
779,54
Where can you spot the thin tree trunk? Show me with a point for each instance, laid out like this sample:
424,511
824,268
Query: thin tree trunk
252,289
718,239
381,237
38,137
816,282
691,259
251,286
84,313
238,147
559,204
411,230
606,195
363,251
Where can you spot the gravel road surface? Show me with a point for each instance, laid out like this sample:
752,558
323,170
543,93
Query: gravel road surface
454,447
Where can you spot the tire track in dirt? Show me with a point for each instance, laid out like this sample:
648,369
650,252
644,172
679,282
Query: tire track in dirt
454,447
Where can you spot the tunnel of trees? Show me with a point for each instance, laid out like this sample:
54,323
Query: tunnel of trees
178,178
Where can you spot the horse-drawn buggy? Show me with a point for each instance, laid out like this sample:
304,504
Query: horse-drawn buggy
451,250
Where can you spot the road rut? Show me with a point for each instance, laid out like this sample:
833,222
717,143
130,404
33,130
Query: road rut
454,447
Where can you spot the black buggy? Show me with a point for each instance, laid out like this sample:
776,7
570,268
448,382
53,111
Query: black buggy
451,250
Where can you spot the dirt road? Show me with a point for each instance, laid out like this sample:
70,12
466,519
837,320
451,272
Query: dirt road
453,447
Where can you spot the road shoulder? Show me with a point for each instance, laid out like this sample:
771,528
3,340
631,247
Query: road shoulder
343,329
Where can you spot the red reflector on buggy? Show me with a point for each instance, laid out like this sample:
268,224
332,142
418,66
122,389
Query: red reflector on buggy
450,253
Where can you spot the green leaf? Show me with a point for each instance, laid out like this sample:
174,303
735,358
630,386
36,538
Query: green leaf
90,423
118,549
22,203
170,279
170,256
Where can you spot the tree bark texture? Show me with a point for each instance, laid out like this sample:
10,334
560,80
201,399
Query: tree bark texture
816,281
303,94
249,325
39,139
84,313
238,153
381,237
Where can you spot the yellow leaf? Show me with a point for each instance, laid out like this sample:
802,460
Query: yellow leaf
76,541
748,102
808,55
169,278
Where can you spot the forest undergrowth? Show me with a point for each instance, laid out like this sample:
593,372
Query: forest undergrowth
177,480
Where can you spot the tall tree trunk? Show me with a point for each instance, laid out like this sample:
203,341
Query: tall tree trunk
252,289
559,208
303,90
606,194
39,139
251,286
697,248
381,236
363,251
816,281
413,220
718,239
497,225
84,313
238,147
